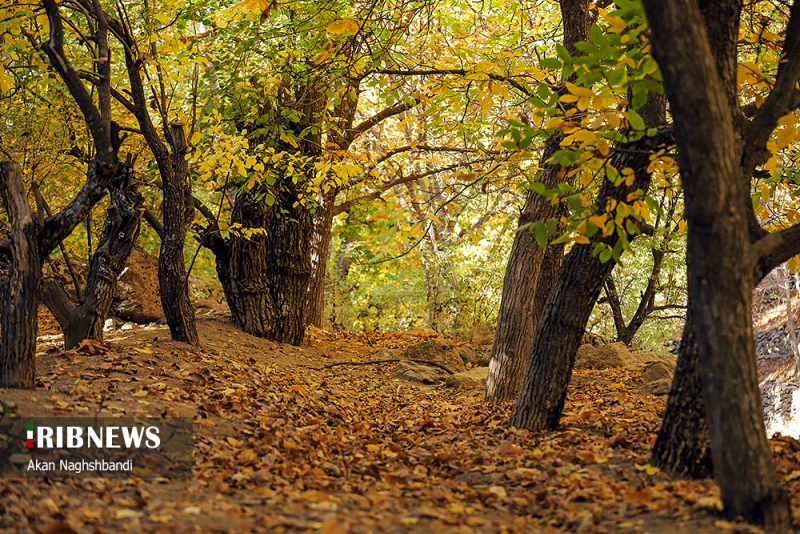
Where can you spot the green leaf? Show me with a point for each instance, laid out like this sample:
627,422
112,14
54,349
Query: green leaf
635,120
540,234
550,63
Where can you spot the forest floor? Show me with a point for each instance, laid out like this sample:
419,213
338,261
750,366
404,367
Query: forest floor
282,445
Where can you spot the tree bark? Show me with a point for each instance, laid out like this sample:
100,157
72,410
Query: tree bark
320,250
518,304
21,290
85,319
716,167
683,448
543,390
178,209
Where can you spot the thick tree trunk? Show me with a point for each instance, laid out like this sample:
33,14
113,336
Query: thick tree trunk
682,448
270,274
541,396
178,209
21,290
716,168
85,319
515,320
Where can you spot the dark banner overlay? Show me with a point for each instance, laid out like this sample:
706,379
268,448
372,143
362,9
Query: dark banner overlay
61,447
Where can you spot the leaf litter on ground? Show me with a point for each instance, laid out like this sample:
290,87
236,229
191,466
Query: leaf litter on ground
280,446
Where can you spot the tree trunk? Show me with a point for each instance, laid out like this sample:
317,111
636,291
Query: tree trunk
270,274
85,319
320,249
682,448
515,326
178,209
543,391
21,290
716,168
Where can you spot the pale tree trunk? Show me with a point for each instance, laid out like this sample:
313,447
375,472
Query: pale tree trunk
518,304
320,250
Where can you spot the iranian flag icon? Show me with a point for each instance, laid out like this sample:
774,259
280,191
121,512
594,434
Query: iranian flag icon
30,435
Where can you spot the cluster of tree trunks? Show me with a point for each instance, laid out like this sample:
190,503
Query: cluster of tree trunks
531,269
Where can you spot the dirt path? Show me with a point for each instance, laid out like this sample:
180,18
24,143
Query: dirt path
281,446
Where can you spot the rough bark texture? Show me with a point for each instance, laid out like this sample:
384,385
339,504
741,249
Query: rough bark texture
270,274
178,209
515,320
682,448
85,319
21,290
543,390
320,249
717,157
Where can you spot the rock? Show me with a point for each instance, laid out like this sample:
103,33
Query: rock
471,357
480,334
137,297
617,355
474,378
602,357
385,354
439,351
658,387
657,371
670,360
417,372
593,340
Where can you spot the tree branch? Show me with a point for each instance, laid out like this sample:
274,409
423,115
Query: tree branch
54,48
379,117
783,98
774,249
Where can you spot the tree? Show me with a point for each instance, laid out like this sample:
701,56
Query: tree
34,237
85,319
719,151
543,390
299,123
531,268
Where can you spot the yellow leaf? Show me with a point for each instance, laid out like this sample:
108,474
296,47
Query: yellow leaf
233,441
372,447
710,502
582,239
336,27
616,24
125,513
288,139
140,393
144,351
350,25
297,388
579,91
602,147
585,136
